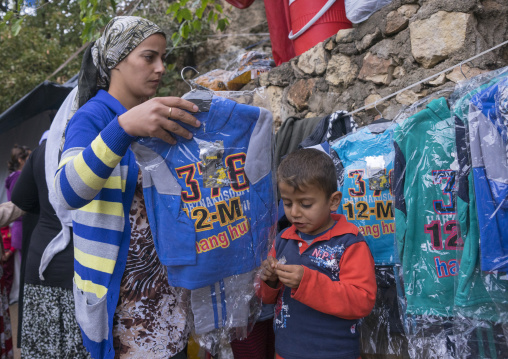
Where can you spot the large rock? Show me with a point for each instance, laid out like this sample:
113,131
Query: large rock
345,36
313,61
398,20
409,97
274,94
280,75
438,81
376,69
408,10
395,22
436,38
399,72
299,93
369,40
348,49
323,102
341,70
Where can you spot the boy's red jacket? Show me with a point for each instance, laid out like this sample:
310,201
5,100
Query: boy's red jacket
338,282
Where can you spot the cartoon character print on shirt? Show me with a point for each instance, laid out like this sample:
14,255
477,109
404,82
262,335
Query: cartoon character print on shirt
328,258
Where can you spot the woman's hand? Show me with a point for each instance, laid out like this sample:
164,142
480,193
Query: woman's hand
6,255
155,118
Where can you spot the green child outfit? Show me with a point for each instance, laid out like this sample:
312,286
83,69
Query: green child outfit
425,212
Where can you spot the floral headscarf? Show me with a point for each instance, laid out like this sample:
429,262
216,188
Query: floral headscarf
121,35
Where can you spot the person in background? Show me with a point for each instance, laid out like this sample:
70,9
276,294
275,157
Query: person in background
320,272
125,306
19,155
46,305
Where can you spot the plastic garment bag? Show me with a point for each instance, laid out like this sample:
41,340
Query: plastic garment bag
210,203
482,284
365,162
360,10
426,226
449,179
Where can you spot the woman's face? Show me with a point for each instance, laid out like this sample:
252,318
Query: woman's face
22,161
137,77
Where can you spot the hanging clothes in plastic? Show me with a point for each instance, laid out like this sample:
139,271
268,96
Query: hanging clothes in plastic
210,204
481,298
329,129
365,161
365,167
293,131
426,226
210,199
489,143
424,207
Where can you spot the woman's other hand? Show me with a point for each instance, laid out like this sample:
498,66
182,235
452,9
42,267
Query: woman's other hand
157,118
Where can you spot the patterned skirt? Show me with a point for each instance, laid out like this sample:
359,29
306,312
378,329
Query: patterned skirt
49,328
5,323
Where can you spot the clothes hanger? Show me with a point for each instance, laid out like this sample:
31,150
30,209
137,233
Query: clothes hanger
379,125
198,95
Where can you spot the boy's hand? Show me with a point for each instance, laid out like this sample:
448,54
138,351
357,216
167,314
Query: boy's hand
290,275
268,272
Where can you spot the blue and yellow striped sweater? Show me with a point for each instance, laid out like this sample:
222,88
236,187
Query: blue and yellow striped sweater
96,178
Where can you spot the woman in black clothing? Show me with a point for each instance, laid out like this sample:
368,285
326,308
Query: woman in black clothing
48,324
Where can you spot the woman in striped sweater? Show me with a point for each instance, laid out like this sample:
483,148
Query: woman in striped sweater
124,304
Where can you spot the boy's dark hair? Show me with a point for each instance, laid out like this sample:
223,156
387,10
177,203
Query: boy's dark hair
17,153
308,167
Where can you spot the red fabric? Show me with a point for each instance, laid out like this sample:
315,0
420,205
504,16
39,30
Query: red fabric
240,4
279,26
277,15
259,344
333,20
6,238
356,288
8,265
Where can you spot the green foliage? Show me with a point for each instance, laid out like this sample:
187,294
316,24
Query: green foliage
190,16
95,15
33,47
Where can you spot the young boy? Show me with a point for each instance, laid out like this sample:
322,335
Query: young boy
321,271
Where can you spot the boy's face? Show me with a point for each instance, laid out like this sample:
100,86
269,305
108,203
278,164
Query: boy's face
309,209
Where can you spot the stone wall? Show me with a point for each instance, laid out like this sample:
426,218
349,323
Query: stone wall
403,43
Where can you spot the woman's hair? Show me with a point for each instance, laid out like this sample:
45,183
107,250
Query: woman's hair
120,36
308,167
17,153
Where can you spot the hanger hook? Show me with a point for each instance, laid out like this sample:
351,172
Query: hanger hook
184,79
375,106
462,72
